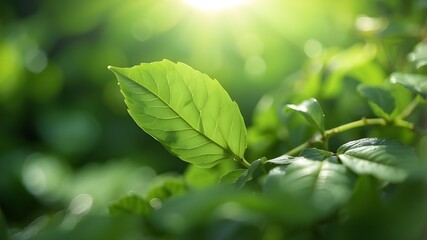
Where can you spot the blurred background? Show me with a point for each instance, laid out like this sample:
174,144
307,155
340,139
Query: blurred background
66,140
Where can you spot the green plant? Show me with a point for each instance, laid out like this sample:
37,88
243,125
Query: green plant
359,191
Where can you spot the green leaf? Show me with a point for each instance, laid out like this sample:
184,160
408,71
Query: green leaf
385,159
231,177
166,187
414,82
312,112
324,185
380,100
419,55
366,197
315,154
247,176
132,204
185,110
199,178
281,160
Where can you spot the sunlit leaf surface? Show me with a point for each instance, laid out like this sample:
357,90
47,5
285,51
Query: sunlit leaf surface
419,55
185,110
323,184
385,159
414,82
312,112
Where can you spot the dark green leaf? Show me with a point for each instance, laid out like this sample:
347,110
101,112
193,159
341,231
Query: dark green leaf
131,204
231,177
380,100
419,55
185,110
324,185
414,82
312,112
315,154
366,198
247,176
385,159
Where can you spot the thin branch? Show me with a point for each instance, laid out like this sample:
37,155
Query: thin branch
356,124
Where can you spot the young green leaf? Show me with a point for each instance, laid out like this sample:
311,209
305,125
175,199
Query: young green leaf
414,82
419,55
131,204
380,100
185,110
324,184
312,112
385,159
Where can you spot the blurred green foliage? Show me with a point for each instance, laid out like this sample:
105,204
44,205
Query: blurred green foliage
68,147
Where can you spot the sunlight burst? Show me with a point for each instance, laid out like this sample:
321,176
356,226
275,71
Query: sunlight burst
215,5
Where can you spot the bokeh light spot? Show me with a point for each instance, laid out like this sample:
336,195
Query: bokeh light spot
156,203
44,176
35,179
35,60
250,45
369,24
81,204
255,66
313,48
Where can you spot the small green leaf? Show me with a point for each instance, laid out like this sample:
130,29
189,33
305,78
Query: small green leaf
324,185
312,112
385,159
131,204
419,55
414,82
166,187
380,100
315,154
248,174
231,177
185,110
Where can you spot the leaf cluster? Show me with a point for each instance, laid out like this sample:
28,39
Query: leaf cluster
307,193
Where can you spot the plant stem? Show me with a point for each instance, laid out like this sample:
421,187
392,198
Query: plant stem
356,124
244,162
